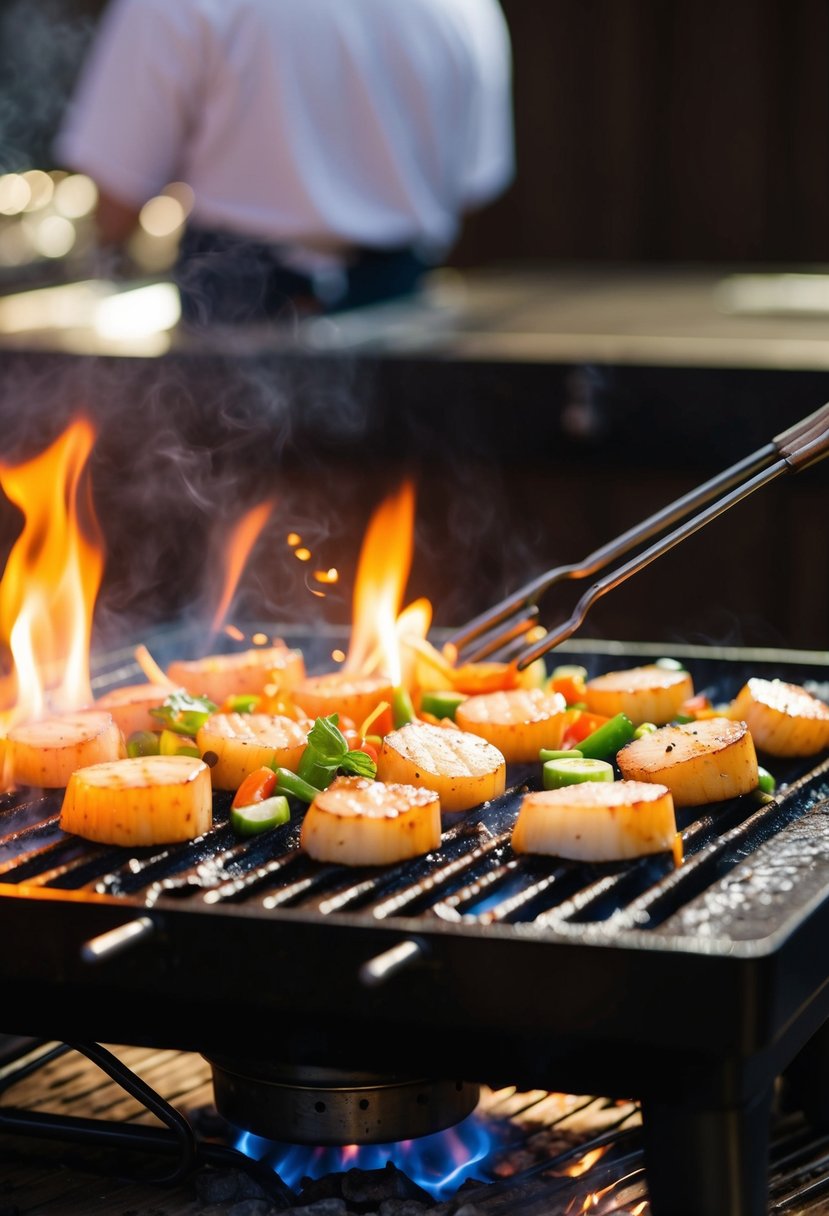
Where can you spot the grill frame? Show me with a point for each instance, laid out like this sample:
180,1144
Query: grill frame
455,957
696,1027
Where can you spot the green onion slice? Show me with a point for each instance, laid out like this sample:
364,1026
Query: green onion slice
143,743
766,783
260,816
570,770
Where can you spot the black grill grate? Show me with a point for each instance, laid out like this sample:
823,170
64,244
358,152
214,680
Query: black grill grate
690,988
474,878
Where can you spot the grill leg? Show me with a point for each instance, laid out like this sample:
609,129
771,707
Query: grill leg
706,1160
805,1083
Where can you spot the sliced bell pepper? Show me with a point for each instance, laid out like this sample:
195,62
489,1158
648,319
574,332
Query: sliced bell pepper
256,787
696,706
144,743
570,681
582,723
484,676
357,743
171,743
605,741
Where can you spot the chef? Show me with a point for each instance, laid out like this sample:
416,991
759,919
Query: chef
333,147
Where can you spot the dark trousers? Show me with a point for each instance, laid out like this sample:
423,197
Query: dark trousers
227,280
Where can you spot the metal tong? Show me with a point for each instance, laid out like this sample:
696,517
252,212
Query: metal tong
508,629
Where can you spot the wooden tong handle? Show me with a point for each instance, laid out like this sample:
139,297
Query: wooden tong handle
807,441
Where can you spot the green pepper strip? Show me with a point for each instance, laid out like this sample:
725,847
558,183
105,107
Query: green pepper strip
289,783
605,742
401,707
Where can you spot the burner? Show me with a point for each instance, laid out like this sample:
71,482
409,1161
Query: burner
323,1106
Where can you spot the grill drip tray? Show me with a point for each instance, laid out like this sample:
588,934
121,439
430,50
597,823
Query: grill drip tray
331,1106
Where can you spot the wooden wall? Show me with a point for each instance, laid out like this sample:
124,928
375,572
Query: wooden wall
665,130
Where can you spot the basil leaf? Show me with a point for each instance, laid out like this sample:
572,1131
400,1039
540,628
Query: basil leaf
327,740
358,764
327,753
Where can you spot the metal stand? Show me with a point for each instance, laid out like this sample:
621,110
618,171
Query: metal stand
707,1160
178,1139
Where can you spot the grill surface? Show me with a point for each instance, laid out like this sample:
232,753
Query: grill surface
692,988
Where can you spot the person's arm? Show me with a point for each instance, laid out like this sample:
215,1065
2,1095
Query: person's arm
115,221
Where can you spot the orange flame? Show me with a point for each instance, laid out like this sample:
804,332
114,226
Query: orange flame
52,576
586,1162
593,1200
382,571
243,537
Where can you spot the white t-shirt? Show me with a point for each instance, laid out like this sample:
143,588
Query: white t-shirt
371,122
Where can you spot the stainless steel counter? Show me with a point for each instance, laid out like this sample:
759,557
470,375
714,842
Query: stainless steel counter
715,317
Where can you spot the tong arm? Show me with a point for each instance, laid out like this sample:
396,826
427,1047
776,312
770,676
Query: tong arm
526,597
796,448
804,445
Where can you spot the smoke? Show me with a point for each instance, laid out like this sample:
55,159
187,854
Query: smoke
42,45
191,441
186,446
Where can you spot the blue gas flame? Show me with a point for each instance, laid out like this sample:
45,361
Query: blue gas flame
438,1163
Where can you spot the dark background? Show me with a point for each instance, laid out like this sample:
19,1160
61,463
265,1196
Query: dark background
666,130
647,130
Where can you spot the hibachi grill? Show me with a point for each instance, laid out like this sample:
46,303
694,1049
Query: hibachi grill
690,989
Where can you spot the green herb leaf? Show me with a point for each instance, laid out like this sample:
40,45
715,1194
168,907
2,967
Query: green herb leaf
327,753
327,740
183,713
358,764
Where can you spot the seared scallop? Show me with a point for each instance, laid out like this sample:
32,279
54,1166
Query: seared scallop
359,822
518,721
700,762
139,801
356,697
238,744
650,693
130,706
246,672
46,752
784,719
597,821
461,767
